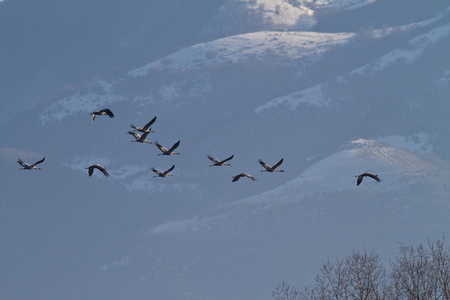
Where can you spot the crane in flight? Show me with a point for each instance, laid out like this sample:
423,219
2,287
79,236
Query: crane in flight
269,168
163,174
165,151
98,167
28,166
146,128
237,177
367,174
102,112
217,162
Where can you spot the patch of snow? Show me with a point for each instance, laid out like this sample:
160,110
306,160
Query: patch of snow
408,55
417,143
386,31
243,16
80,102
193,225
280,12
292,45
343,4
183,88
360,4
313,96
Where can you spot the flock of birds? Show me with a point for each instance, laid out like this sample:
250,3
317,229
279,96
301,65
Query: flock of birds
142,138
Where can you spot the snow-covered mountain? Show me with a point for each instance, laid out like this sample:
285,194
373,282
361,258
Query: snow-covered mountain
335,88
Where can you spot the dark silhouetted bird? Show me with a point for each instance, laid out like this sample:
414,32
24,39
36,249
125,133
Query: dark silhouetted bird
28,166
360,177
165,151
236,178
163,174
220,162
102,112
269,168
99,167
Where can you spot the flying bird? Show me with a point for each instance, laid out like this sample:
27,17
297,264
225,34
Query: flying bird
140,138
163,174
165,151
360,177
269,168
217,162
99,167
146,128
105,111
236,178
28,166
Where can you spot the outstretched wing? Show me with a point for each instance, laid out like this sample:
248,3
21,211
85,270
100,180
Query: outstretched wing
108,112
137,136
249,176
149,123
134,127
20,161
278,164
102,169
168,171
213,159
38,162
175,146
90,170
144,136
374,176
163,149
227,159
156,171
266,166
236,178
359,180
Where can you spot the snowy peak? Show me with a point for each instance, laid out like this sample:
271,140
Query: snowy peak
397,168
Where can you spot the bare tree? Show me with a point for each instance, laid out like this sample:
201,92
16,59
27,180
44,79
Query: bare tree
284,291
420,273
440,254
417,273
359,276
